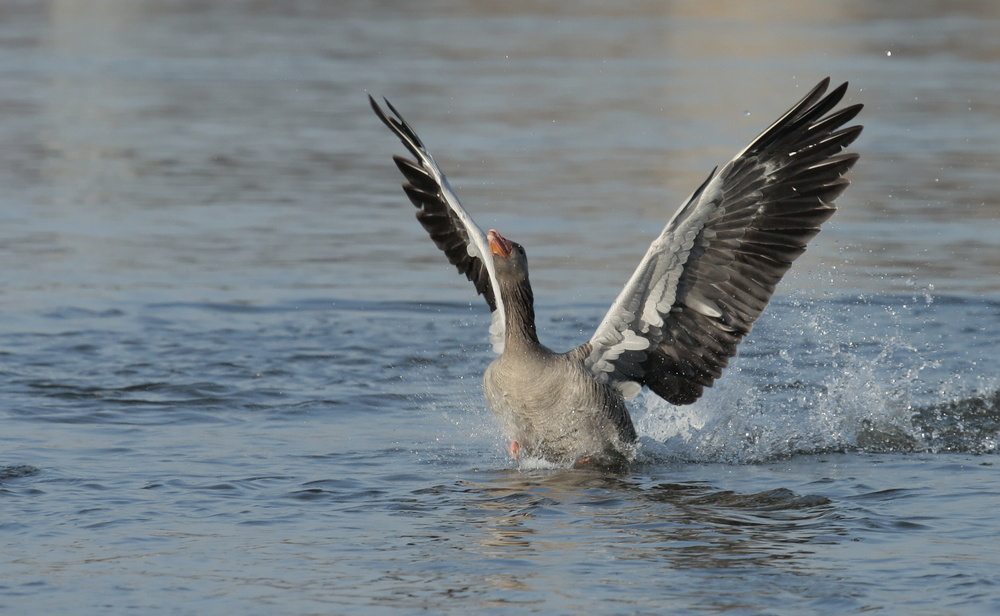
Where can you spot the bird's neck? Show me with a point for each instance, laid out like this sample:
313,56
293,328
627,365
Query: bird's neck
519,315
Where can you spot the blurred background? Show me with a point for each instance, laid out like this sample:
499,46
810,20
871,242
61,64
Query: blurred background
196,150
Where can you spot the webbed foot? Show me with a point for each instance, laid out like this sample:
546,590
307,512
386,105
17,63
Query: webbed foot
515,450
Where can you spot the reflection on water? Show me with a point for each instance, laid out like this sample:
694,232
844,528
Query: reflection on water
686,526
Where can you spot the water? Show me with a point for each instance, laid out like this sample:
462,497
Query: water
238,378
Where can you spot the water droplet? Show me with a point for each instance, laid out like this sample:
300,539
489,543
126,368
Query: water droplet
888,54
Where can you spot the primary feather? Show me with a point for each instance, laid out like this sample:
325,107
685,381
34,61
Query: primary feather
708,276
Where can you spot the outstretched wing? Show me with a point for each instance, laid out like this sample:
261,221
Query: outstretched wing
448,224
708,276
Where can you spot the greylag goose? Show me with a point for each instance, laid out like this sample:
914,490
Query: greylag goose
694,296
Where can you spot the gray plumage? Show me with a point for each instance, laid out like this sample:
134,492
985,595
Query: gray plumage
695,295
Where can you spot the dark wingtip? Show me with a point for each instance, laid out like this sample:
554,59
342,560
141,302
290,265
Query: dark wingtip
398,125
375,107
378,111
838,92
850,112
817,91
394,112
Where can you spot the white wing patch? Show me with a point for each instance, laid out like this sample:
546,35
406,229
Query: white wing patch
498,328
478,247
634,322
476,244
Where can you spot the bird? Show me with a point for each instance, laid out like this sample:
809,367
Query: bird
679,318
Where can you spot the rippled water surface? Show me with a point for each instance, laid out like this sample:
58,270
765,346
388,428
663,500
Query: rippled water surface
236,377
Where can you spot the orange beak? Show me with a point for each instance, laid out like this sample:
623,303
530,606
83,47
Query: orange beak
499,245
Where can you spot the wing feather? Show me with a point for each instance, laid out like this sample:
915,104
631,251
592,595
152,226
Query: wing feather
445,220
711,272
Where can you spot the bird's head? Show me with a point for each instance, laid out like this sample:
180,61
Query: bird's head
509,259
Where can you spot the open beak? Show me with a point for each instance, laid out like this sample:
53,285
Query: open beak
499,245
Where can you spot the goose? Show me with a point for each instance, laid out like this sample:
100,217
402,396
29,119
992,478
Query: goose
695,295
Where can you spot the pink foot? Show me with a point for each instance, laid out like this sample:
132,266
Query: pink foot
515,450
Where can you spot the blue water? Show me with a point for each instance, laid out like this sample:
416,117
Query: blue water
236,377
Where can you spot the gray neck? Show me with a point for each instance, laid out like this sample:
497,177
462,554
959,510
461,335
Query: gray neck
519,312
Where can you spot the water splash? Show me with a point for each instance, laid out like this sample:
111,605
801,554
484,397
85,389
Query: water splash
864,379
865,373
969,425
